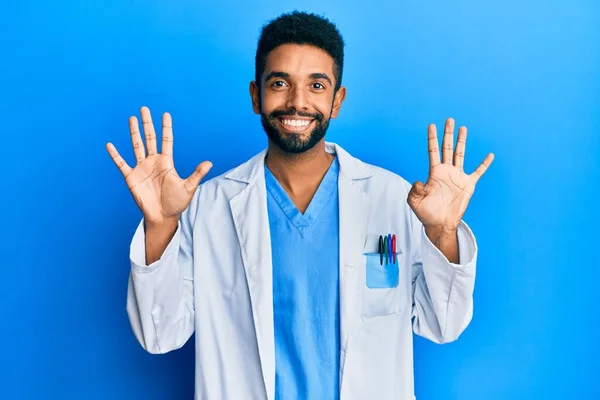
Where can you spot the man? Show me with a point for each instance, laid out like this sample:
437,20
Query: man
304,271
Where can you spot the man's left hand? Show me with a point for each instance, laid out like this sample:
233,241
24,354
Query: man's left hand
441,202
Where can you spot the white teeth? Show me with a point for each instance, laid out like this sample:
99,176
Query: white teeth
296,122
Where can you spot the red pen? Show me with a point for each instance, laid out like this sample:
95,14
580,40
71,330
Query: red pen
394,249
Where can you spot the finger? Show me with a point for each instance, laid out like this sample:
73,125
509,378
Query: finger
478,173
136,140
167,135
192,182
432,142
459,152
416,193
448,141
418,189
118,160
149,133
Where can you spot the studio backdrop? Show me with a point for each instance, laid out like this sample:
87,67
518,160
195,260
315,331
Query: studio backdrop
523,76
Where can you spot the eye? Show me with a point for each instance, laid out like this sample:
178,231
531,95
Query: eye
278,84
318,85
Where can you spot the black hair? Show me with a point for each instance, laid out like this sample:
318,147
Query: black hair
301,28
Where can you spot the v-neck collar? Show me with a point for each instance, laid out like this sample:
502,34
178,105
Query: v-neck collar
322,195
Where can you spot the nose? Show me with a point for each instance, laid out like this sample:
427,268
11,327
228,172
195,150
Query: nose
297,99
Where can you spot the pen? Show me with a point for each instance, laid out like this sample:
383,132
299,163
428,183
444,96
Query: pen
394,249
380,250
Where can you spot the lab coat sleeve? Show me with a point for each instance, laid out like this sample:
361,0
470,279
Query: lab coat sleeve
160,303
442,291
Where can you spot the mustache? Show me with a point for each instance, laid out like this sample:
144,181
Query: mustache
291,112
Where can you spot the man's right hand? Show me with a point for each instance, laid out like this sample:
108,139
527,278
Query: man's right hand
154,183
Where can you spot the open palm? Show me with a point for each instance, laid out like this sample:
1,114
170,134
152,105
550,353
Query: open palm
442,201
154,183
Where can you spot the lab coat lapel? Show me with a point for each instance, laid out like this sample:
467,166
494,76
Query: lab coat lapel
354,217
249,211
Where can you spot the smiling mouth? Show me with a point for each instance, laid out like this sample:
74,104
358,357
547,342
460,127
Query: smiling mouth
295,125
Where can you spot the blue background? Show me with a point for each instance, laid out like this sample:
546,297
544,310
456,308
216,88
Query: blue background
524,77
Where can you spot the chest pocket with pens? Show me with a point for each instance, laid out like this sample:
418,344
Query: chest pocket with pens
382,291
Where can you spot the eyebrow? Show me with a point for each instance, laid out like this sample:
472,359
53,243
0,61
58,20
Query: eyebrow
320,75
285,75
277,74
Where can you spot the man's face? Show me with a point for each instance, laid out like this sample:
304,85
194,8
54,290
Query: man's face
296,99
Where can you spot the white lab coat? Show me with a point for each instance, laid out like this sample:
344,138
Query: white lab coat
215,280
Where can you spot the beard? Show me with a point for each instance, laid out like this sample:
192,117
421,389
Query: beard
291,142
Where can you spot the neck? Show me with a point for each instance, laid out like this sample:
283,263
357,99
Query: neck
298,173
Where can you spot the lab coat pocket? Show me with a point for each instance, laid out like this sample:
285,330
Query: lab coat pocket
381,274
382,291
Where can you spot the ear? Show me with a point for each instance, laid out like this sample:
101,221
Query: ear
338,99
255,95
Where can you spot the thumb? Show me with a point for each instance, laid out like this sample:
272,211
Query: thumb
194,179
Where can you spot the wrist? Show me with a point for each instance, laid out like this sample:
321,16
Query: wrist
161,225
445,239
158,235
440,230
